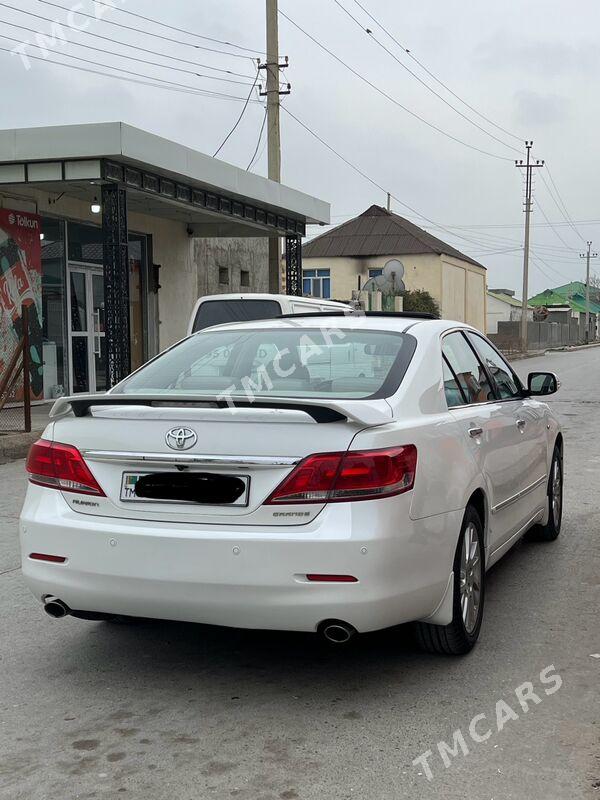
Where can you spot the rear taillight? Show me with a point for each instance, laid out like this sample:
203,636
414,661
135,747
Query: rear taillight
60,466
338,477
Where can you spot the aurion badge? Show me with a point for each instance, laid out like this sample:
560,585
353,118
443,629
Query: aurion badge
181,438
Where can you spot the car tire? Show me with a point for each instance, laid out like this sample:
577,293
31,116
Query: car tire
549,532
460,636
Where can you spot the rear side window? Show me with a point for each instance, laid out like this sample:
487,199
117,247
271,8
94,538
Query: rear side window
454,395
504,378
467,368
216,312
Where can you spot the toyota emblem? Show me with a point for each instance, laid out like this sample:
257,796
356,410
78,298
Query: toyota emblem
181,438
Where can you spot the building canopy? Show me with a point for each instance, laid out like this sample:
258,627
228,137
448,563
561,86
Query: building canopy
162,179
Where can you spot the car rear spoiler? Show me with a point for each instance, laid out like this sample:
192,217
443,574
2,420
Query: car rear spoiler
373,412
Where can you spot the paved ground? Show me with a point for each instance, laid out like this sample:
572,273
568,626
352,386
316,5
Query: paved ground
158,711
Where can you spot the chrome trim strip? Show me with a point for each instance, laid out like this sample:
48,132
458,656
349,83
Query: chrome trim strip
119,457
505,503
505,546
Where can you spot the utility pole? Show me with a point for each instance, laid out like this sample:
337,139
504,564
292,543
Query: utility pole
272,67
529,167
587,256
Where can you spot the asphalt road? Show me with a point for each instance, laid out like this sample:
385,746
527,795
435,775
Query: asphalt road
153,710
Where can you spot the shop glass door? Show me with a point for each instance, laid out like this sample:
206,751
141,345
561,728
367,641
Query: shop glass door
87,331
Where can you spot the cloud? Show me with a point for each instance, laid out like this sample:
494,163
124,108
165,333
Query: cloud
548,59
534,109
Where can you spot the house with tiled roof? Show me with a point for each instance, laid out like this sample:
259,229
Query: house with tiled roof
342,260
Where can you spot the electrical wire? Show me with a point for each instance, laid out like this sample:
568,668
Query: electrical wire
112,7
421,81
120,55
239,119
138,31
130,46
563,211
372,181
148,81
120,69
387,96
519,224
260,133
432,75
557,234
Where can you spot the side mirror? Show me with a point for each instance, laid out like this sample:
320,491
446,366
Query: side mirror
542,383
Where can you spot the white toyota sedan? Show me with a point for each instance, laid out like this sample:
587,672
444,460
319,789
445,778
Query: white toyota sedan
336,474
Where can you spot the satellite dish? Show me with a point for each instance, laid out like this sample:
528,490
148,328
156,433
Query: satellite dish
390,280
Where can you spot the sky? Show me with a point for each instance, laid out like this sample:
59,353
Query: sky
526,70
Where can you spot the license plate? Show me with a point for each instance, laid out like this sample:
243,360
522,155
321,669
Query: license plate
129,480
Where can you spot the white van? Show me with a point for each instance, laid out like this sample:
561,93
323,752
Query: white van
218,308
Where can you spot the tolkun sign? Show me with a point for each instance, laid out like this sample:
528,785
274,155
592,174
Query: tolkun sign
21,283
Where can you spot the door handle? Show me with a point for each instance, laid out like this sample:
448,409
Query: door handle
475,432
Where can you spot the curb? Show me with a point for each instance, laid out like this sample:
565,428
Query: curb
16,445
569,347
535,353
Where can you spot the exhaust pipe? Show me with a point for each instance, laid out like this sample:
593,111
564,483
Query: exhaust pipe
336,632
56,608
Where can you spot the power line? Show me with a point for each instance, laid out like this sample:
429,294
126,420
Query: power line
260,133
121,55
176,87
496,240
387,96
130,46
239,119
431,74
558,236
420,80
175,28
564,212
536,257
520,225
137,31
372,181
109,66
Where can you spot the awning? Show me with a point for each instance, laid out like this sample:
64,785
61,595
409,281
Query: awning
163,179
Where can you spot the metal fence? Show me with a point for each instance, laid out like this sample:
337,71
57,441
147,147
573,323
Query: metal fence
542,335
15,386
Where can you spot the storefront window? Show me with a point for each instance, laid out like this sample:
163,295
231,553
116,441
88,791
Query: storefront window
53,308
87,305
85,243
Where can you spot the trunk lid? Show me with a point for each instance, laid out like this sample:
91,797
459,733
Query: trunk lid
259,445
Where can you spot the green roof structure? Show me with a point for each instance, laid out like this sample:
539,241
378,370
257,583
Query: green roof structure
571,294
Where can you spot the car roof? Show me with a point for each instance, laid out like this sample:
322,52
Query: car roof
316,301
391,322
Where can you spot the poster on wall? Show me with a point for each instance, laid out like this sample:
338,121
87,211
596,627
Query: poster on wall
21,282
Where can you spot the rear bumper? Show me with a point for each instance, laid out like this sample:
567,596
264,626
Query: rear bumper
240,576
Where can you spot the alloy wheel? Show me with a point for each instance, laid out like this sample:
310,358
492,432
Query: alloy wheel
470,578
556,492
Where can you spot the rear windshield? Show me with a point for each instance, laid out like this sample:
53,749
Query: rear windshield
216,312
300,362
